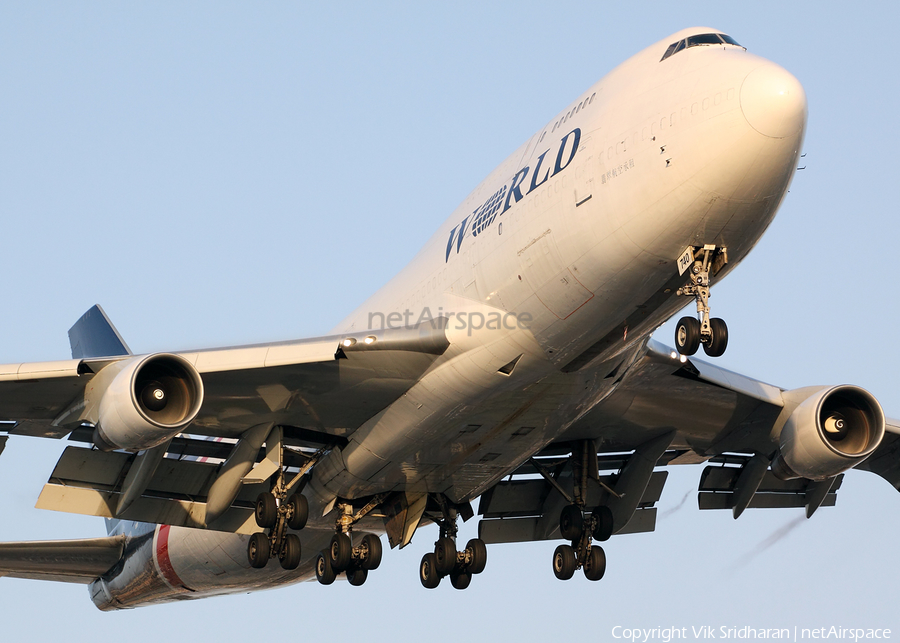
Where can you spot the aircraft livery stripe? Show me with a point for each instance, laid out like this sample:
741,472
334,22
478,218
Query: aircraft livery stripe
163,561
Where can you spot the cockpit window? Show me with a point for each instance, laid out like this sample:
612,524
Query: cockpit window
699,39
729,40
704,39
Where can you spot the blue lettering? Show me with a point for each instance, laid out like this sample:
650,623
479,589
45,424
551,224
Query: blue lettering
537,169
562,148
515,189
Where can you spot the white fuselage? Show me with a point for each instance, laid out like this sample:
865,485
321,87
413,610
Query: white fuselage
579,245
552,271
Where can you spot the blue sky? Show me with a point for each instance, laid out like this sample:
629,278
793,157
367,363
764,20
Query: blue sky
221,173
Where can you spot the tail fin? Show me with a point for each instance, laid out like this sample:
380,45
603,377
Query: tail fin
93,335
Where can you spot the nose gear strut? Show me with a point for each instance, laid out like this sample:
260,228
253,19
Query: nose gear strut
690,332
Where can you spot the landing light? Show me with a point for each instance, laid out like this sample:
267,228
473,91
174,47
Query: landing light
369,340
349,342
683,359
674,355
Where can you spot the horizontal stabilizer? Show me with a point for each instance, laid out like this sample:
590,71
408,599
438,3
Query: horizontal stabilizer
93,335
71,561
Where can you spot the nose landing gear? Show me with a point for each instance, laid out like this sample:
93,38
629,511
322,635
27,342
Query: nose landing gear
711,332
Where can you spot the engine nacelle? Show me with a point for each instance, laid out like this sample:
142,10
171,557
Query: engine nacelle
829,432
150,400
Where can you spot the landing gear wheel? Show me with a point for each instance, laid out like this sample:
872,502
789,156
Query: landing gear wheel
461,579
428,572
266,510
258,550
571,522
595,564
718,340
290,552
356,576
340,552
372,545
325,573
478,551
564,562
445,555
603,524
687,335
300,511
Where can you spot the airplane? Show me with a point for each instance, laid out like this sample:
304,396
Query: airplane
511,363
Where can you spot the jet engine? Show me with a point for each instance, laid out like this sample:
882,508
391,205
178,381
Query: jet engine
150,400
829,432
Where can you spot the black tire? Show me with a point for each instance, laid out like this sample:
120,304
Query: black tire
718,341
428,572
356,576
603,523
258,550
478,550
687,335
299,511
445,555
341,551
564,562
571,522
595,565
325,574
289,557
372,546
460,579
266,510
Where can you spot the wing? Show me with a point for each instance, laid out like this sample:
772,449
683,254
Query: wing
329,384
664,409
317,392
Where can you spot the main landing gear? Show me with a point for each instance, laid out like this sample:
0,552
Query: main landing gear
712,333
342,557
582,553
460,566
276,511
599,525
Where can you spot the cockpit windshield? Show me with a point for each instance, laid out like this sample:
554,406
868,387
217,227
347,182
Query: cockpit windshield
699,39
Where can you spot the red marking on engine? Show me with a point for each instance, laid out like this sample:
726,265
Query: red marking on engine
163,560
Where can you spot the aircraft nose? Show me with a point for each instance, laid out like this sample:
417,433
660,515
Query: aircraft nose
773,101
